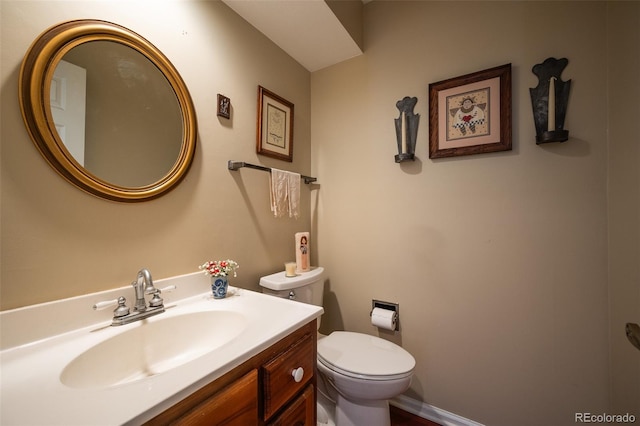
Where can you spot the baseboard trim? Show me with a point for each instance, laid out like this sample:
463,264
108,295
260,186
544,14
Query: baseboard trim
429,412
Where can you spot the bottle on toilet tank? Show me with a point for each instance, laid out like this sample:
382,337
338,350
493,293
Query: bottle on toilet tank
302,247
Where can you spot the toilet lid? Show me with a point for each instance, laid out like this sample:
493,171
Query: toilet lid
360,354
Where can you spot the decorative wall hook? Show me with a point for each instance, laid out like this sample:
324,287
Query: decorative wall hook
549,101
406,129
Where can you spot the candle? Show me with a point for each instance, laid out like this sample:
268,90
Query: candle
404,133
551,123
290,269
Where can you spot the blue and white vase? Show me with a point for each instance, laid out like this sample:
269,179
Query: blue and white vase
219,287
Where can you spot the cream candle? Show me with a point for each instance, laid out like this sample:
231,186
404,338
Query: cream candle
290,269
404,133
551,123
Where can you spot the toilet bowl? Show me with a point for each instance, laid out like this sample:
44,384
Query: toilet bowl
362,372
366,371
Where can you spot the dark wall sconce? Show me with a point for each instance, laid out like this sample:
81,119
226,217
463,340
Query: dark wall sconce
549,101
406,129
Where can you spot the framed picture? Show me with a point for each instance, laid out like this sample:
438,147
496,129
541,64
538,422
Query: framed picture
224,106
471,114
275,125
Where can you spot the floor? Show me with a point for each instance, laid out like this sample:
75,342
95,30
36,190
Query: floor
402,418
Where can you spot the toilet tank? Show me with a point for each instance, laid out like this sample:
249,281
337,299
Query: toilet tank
306,287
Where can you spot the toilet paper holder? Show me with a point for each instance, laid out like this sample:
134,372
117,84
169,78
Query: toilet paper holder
390,306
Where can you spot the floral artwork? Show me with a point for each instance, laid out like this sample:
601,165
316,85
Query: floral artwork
276,120
275,126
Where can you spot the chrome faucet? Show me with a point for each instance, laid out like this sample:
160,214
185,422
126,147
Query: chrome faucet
144,277
142,285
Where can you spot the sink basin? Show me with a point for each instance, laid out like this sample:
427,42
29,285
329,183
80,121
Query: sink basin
152,347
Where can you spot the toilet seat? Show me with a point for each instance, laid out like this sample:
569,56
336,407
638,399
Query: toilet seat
363,356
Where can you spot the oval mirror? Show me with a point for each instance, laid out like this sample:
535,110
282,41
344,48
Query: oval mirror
107,110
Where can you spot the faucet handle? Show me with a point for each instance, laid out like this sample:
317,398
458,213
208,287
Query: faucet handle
105,304
156,300
121,311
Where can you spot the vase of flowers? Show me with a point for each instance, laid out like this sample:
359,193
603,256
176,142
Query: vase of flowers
219,271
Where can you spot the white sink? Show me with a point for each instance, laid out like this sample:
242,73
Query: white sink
150,347
63,352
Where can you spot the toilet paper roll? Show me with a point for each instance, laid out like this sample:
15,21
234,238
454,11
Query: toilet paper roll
383,318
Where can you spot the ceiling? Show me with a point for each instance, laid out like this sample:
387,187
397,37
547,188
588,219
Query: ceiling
307,30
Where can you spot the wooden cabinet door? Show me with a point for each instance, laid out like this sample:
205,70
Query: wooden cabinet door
301,412
279,385
235,405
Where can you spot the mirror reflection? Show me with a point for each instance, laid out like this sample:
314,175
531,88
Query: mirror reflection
116,113
107,110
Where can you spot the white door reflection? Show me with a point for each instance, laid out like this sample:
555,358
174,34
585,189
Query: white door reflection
68,105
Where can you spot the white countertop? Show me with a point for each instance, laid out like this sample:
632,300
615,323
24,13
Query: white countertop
40,340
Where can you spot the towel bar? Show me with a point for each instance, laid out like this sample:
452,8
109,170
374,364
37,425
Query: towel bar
235,165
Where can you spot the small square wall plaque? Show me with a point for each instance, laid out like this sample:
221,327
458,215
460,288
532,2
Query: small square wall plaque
224,106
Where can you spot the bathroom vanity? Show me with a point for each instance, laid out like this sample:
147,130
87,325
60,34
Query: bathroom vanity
247,359
263,390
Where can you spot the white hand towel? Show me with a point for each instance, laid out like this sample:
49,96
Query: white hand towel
285,193
294,195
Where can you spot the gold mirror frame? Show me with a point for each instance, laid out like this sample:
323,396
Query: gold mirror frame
36,74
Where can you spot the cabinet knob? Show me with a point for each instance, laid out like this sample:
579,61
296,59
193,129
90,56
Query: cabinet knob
297,374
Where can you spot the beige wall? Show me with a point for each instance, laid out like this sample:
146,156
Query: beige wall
58,241
499,261
624,201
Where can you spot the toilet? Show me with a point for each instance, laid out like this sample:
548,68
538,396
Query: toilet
360,372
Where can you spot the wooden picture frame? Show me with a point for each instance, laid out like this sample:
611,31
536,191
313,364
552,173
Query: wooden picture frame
471,114
275,125
224,106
